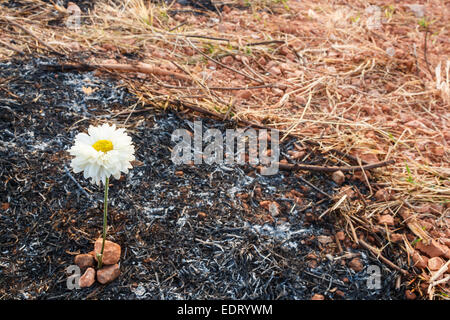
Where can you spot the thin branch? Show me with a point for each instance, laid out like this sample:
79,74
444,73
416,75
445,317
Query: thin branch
425,50
265,42
294,167
139,67
377,253
314,187
76,183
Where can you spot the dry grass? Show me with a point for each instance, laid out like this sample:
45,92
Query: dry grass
308,68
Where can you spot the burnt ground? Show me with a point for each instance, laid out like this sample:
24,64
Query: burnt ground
200,235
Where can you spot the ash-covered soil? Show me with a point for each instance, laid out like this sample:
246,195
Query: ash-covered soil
199,234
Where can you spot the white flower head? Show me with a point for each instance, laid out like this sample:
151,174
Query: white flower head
103,152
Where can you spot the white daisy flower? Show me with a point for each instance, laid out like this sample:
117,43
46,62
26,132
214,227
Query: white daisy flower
103,152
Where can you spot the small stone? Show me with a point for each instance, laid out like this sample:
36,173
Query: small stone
88,278
419,261
300,100
84,260
340,235
139,291
318,297
275,71
348,190
227,60
297,155
188,51
386,108
312,264
382,195
410,295
277,92
284,50
262,61
395,237
274,209
360,176
201,214
111,252
271,206
446,241
356,265
434,264
386,219
270,64
340,293
311,256
439,151
434,249
226,9
246,94
338,177
324,239
290,56
108,273
424,285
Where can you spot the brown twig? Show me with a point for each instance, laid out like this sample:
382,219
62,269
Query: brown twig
293,167
365,177
264,42
376,252
177,26
314,187
143,68
198,37
139,67
219,88
425,50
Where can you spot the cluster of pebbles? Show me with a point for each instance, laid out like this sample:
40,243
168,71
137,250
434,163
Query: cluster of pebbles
110,269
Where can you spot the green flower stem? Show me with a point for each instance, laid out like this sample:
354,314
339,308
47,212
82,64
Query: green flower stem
105,214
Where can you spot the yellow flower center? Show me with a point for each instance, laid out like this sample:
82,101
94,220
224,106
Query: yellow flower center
103,145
